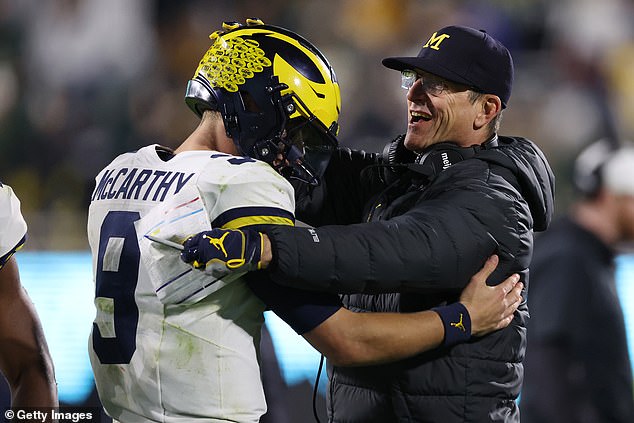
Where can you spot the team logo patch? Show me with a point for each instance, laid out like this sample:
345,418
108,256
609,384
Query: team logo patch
435,40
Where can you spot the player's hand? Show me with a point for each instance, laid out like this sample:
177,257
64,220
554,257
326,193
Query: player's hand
220,250
491,307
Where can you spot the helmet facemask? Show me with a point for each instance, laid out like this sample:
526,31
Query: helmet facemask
275,91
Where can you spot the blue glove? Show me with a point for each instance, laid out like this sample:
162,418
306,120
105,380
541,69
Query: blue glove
220,250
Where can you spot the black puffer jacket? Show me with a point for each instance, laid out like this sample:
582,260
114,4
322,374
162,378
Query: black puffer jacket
419,248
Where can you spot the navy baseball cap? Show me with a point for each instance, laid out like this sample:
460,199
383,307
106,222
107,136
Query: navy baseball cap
464,55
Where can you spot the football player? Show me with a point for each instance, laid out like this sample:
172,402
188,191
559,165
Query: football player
24,357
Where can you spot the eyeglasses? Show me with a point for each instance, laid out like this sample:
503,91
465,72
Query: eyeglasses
430,84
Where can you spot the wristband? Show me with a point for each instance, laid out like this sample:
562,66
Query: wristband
457,323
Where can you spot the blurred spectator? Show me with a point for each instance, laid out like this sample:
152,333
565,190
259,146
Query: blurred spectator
582,38
577,367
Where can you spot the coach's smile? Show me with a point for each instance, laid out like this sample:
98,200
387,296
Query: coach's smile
415,116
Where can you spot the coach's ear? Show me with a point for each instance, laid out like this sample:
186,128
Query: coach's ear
489,106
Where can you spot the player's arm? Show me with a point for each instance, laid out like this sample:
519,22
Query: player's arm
24,357
352,339
355,339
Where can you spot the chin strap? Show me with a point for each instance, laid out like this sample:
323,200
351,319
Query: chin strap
287,159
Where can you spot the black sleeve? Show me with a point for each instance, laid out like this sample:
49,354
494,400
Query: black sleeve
351,178
435,247
427,242
301,310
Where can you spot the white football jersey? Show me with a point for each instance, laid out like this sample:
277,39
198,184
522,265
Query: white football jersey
167,344
12,224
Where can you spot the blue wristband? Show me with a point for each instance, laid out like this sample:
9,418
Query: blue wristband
457,322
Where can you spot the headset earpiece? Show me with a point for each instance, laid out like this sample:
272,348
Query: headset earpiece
443,155
436,158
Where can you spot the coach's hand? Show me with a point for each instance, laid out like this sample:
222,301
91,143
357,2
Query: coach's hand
224,249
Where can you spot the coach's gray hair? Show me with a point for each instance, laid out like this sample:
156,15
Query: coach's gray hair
494,125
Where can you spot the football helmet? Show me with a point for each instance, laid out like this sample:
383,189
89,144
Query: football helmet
278,96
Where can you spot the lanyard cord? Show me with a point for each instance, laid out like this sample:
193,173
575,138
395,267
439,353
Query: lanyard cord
321,365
